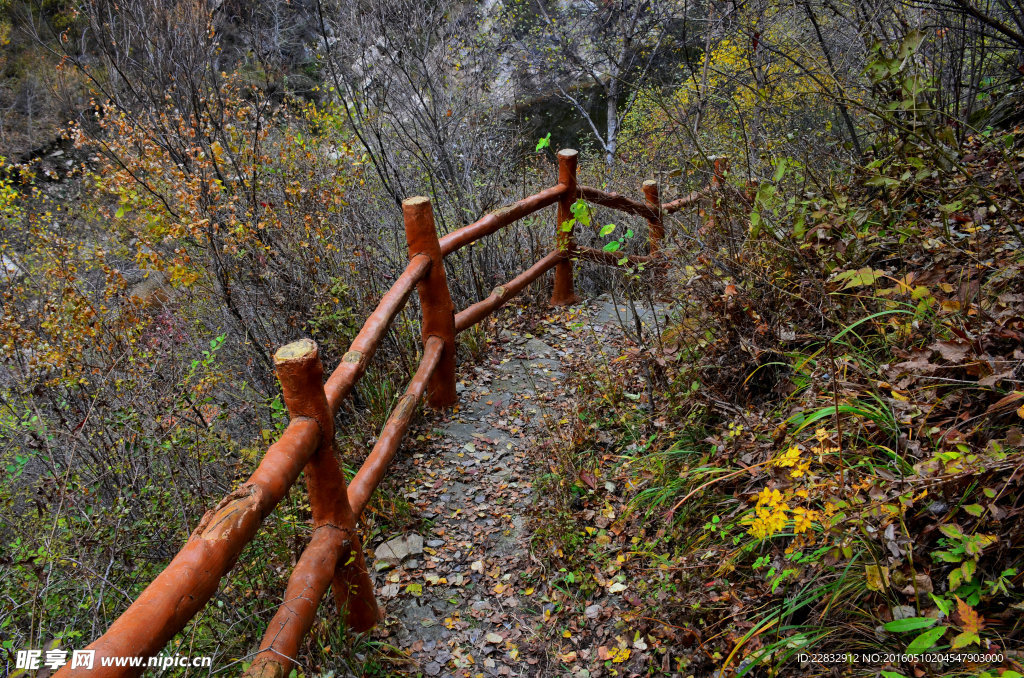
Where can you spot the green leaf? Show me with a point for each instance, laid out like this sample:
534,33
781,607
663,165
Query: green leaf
543,142
613,246
120,212
861,277
956,578
924,642
622,261
952,530
581,210
964,639
780,170
606,230
910,44
945,606
910,624
892,674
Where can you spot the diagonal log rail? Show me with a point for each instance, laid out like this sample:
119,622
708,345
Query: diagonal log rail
333,558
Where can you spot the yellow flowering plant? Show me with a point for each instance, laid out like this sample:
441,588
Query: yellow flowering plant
775,509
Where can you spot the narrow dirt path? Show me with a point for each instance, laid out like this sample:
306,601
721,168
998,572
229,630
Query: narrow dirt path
456,596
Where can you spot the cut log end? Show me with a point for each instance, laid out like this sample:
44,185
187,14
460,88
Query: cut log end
303,349
650,182
415,201
266,668
567,153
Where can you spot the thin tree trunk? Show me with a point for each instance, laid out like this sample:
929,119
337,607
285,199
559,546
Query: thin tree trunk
613,122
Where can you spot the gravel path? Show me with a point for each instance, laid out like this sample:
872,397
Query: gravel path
456,597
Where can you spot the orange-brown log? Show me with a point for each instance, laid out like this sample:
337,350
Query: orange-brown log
306,587
720,170
354,363
655,227
301,375
376,464
499,219
562,292
680,203
192,577
471,315
611,258
617,202
435,298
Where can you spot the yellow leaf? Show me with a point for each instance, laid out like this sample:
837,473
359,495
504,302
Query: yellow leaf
877,577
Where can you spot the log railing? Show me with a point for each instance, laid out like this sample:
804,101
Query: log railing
334,556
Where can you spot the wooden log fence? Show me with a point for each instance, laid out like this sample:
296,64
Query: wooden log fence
334,556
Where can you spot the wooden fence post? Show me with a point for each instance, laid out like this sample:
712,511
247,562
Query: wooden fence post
656,227
302,382
720,165
435,298
563,293
721,168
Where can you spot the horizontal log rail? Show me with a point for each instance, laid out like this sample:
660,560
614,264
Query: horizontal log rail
678,204
611,258
495,221
471,315
619,202
333,558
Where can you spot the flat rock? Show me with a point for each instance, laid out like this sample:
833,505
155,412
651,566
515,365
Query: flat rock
398,549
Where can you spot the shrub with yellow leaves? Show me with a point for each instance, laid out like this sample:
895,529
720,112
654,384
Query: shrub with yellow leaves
774,509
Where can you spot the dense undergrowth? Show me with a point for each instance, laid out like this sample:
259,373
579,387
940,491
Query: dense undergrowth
831,462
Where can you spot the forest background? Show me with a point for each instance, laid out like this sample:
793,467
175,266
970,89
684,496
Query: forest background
828,432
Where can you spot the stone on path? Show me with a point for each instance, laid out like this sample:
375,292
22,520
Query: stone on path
398,549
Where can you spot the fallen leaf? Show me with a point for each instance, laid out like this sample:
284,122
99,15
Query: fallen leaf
971,623
954,352
877,577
